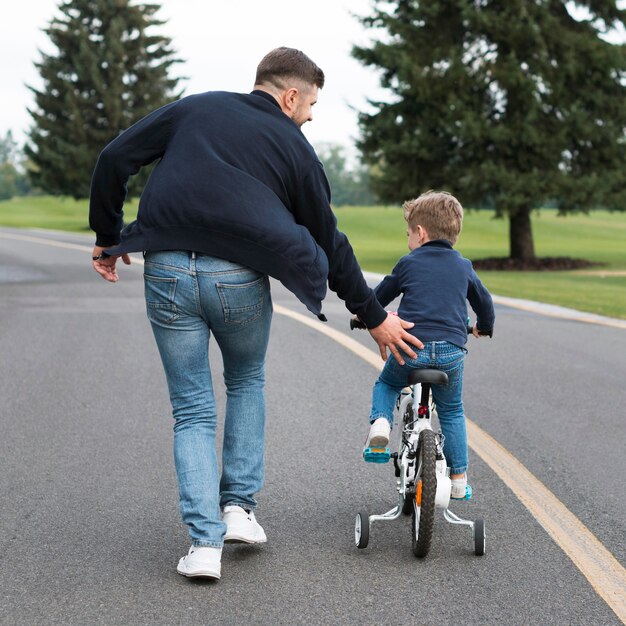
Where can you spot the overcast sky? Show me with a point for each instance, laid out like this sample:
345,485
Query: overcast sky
221,42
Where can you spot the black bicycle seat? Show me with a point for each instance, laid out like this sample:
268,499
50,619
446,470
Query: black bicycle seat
432,377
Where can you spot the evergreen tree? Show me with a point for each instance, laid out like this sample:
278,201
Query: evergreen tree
13,181
349,186
507,103
109,71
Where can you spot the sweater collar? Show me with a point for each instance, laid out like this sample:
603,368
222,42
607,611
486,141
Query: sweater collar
441,243
266,96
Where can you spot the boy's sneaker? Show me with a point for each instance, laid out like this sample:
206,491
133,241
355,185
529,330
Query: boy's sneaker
378,436
201,562
241,526
460,489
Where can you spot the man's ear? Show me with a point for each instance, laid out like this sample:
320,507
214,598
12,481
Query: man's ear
290,98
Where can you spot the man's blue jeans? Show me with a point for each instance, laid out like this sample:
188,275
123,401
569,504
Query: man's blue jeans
439,355
188,297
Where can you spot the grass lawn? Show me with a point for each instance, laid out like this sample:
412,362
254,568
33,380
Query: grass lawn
52,213
378,237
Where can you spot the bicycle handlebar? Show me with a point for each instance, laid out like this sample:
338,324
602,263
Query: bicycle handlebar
356,323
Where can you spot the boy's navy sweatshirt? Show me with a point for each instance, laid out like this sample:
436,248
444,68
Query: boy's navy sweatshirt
236,179
436,282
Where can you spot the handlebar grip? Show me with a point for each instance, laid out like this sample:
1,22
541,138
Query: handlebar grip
470,330
357,323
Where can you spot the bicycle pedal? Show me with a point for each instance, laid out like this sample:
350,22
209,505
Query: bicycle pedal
376,455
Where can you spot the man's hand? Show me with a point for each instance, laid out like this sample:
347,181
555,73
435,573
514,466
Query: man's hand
106,267
392,334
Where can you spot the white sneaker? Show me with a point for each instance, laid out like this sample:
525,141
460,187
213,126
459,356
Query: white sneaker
460,490
241,526
201,562
378,436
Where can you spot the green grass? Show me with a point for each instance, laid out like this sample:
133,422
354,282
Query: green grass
51,213
378,235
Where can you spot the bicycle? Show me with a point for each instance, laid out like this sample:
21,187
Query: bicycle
423,483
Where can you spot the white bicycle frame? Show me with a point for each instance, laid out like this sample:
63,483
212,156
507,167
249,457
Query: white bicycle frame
409,474
408,459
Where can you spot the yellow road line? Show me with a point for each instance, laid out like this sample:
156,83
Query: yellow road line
597,564
605,574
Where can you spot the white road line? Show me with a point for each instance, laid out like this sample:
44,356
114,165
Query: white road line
596,563
550,310
605,574
47,242
541,308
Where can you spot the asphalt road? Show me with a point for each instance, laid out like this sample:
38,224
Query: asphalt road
89,526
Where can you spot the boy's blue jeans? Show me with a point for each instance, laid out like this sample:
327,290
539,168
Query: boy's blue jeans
439,355
188,297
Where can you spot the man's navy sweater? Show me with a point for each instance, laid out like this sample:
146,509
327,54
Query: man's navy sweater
236,179
435,282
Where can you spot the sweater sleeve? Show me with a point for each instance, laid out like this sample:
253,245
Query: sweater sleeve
139,145
481,302
312,209
389,288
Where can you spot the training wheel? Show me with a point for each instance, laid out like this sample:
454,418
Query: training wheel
361,530
479,537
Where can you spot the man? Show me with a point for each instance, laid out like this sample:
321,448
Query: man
237,194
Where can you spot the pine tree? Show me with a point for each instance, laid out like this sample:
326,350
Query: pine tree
506,103
110,70
13,180
349,185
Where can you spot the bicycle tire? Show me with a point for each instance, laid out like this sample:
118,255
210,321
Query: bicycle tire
361,530
423,518
407,505
479,537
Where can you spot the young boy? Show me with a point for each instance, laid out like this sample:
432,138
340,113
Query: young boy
435,281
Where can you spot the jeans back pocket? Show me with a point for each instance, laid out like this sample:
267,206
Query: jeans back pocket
160,296
244,302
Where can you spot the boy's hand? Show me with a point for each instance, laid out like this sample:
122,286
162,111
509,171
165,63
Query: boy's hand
392,334
479,333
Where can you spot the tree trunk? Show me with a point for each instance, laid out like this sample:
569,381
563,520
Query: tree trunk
521,235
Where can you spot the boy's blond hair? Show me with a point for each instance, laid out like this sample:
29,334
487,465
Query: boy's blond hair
438,212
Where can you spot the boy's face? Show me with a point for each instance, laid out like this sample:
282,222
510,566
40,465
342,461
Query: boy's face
416,237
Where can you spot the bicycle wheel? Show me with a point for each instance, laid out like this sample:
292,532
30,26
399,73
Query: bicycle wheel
361,530
479,537
423,518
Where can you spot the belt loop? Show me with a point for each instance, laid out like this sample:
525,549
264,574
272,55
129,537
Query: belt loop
193,255
433,351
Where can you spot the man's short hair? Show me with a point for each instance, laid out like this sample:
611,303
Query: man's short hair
281,65
439,212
